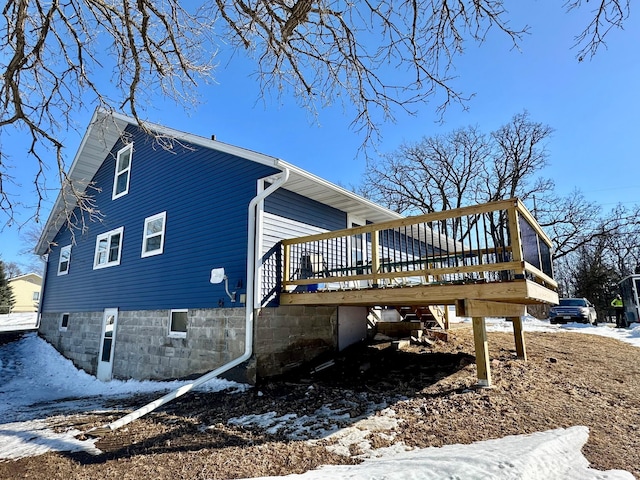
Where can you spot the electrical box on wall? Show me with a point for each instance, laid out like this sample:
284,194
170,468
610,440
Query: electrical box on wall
243,298
217,275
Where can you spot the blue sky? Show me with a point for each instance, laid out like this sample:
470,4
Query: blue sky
594,107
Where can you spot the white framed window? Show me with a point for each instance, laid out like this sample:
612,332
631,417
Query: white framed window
65,257
108,248
123,172
36,296
153,235
178,320
64,322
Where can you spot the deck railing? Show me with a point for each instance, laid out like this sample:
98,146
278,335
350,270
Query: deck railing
494,242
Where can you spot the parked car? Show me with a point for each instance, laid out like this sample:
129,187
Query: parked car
573,310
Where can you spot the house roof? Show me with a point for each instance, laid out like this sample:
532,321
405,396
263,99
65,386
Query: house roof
32,275
106,128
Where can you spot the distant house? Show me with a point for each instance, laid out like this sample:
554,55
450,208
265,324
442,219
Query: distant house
26,291
170,282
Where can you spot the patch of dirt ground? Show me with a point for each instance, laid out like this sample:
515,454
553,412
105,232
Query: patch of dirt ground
569,379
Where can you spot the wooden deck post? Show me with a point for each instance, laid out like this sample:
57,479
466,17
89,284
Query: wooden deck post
375,258
518,334
287,264
446,317
482,351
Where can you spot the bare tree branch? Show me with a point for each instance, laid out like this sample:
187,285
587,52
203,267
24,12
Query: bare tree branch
570,221
521,153
55,63
463,167
607,15
325,49
377,58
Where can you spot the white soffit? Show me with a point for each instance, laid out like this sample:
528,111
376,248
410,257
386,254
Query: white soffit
316,188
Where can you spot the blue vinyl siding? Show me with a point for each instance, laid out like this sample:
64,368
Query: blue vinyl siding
287,204
205,194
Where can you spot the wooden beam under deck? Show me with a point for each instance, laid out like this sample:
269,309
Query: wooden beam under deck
524,292
477,300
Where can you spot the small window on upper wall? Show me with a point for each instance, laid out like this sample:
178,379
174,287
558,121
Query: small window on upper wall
153,235
65,257
64,321
36,296
123,172
108,248
178,320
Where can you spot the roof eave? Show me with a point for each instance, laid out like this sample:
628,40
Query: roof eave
344,200
103,132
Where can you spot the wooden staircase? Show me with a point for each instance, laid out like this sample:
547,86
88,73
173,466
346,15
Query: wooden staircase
432,316
420,323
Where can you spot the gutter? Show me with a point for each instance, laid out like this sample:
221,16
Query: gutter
249,314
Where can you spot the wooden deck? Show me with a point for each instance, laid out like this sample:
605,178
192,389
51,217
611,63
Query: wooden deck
495,252
487,260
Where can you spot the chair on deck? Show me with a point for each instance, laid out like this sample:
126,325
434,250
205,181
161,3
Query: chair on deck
312,265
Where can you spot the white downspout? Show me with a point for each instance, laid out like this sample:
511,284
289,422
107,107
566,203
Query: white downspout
45,262
249,313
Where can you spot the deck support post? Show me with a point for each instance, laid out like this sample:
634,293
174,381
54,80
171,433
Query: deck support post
482,351
375,258
518,334
446,318
478,310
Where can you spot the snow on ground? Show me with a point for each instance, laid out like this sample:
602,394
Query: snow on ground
18,321
35,437
35,380
554,454
36,384
630,334
327,422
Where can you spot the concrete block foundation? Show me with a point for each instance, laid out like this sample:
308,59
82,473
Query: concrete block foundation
284,338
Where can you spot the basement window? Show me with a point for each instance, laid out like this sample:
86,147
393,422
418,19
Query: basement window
64,322
178,320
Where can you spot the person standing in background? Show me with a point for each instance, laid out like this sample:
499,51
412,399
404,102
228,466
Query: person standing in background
618,306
